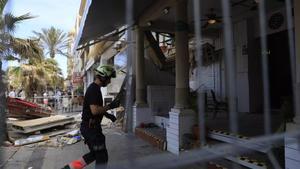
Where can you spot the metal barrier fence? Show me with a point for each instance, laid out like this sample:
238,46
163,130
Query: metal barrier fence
64,103
236,146
205,153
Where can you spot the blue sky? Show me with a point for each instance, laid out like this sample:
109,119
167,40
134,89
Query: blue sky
58,13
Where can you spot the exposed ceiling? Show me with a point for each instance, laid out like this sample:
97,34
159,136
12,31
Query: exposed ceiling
105,16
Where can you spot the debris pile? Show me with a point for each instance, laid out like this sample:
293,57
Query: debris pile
60,140
53,131
30,126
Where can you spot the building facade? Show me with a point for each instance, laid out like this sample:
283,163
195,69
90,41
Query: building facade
162,65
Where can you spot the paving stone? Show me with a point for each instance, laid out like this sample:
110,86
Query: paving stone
121,146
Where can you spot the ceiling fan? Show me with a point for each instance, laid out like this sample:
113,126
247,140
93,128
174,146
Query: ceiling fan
211,18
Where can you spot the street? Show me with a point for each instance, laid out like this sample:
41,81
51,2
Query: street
43,157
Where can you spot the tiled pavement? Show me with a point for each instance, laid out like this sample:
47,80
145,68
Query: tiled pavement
26,157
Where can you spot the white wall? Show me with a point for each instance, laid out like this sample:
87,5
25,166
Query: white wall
209,79
116,83
154,76
89,78
240,43
214,74
160,99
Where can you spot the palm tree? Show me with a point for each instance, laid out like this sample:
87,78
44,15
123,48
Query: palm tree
54,40
53,73
29,76
35,75
12,48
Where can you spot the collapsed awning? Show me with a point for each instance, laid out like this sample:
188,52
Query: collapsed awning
102,17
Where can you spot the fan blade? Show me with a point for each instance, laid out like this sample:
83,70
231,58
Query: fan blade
219,20
207,15
204,19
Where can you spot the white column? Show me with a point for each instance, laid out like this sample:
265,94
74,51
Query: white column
181,119
140,68
292,144
141,111
182,56
297,45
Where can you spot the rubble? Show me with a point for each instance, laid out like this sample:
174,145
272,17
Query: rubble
54,131
31,139
73,133
66,137
64,140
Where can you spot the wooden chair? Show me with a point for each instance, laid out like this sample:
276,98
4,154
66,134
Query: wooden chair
214,105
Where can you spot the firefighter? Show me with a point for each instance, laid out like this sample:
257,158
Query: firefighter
93,112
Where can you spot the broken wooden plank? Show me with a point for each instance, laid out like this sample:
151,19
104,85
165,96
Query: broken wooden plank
58,132
29,126
158,57
24,109
41,121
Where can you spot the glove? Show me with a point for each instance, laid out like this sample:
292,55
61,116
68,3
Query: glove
110,116
114,104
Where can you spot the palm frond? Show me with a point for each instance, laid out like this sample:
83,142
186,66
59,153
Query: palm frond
66,54
15,69
12,58
11,21
54,40
26,48
2,47
2,5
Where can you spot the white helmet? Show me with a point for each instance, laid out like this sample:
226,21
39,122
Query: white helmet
105,71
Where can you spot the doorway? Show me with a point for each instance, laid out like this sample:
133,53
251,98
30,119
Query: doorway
279,69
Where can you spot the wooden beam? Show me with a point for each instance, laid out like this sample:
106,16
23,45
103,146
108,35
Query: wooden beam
166,27
241,3
155,11
156,49
29,126
161,26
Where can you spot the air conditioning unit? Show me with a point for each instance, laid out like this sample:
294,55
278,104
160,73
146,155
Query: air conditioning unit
276,21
